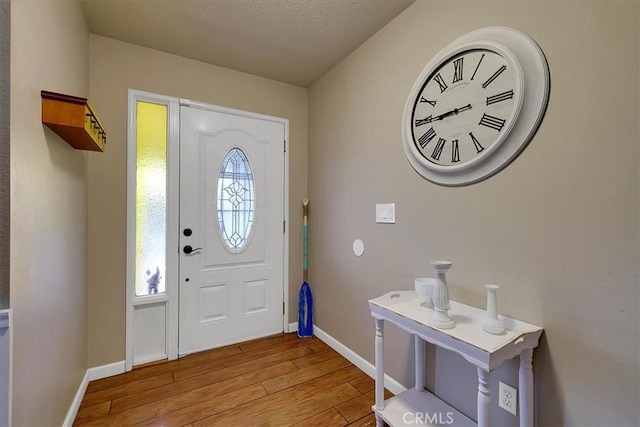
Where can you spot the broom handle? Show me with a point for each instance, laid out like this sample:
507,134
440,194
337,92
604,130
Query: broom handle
305,237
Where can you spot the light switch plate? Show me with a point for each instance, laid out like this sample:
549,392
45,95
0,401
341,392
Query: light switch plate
386,213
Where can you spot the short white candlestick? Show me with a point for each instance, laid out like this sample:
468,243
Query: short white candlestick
491,324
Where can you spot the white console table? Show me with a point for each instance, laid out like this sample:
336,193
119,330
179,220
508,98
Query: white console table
485,351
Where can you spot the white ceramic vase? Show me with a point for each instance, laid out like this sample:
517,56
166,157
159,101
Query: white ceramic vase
491,324
441,319
424,288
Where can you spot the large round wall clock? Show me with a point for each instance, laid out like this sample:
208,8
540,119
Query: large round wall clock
475,106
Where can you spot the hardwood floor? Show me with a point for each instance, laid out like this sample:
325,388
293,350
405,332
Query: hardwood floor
276,381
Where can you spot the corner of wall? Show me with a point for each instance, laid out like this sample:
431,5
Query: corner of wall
5,116
50,51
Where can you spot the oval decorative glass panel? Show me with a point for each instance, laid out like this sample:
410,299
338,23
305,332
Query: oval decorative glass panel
236,200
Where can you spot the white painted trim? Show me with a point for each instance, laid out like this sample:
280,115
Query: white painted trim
6,322
285,212
105,371
173,228
233,111
75,405
149,299
131,230
293,327
391,384
92,374
171,273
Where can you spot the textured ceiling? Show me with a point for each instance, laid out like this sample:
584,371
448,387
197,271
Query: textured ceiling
293,41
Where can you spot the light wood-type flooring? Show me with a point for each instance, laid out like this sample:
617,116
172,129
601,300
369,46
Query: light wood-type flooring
276,381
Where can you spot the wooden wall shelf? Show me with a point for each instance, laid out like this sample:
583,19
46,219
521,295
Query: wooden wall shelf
71,118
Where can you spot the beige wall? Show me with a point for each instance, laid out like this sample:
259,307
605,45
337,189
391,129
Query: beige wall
5,81
50,50
117,67
557,229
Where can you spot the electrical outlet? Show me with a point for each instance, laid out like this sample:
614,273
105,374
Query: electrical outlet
508,398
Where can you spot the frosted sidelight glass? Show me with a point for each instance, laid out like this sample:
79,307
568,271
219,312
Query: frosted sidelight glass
151,197
236,200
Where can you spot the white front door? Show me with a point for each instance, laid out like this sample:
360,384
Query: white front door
231,227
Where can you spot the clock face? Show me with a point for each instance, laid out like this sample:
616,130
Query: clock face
475,106
465,108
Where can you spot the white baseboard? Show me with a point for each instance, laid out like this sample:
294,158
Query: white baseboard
75,405
293,327
105,371
391,384
92,374
6,366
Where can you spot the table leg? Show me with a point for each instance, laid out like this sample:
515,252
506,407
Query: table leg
379,370
419,361
484,398
526,388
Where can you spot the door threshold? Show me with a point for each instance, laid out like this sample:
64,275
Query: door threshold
146,365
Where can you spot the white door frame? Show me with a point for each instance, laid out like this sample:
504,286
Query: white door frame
170,299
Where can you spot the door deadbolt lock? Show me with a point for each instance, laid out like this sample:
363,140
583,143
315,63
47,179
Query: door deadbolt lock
188,249
187,232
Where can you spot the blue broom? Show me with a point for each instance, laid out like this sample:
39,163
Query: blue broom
305,298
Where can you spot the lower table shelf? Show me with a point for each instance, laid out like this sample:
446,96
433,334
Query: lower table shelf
414,407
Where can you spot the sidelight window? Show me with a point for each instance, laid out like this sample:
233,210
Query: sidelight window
151,198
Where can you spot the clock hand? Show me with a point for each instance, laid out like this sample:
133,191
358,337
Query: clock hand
452,112
420,122
447,114
461,109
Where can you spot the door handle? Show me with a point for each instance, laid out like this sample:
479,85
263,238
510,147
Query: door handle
188,249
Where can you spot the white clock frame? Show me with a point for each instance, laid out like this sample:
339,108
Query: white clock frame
532,71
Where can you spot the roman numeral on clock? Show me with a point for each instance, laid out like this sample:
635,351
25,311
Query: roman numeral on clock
455,151
426,138
493,77
457,69
500,97
423,99
476,144
437,151
492,122
420,122
443,86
